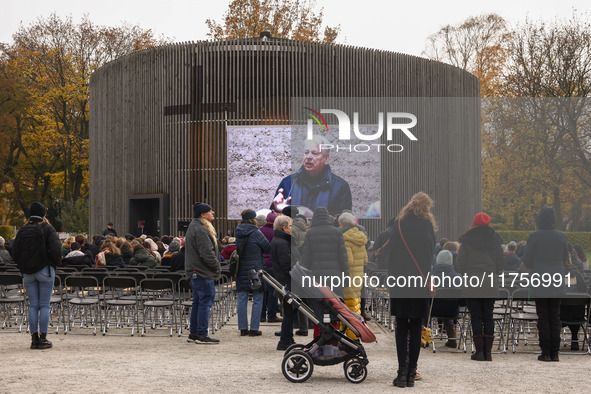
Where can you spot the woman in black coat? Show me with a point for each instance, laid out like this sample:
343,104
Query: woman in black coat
324,253
546,253
413,230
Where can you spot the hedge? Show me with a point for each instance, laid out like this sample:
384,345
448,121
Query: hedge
7,232
575,238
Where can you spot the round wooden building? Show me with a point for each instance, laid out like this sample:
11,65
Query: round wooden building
159,123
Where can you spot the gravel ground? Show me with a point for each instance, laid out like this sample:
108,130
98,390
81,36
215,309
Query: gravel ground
251,364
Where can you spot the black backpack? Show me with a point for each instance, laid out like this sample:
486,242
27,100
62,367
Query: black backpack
29,250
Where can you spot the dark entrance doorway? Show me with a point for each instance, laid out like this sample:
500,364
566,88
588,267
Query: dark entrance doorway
151,210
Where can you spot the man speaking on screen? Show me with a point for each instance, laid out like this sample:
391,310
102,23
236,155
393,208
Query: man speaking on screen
314,185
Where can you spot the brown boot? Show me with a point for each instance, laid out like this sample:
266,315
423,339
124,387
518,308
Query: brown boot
488,344
479,345
450,329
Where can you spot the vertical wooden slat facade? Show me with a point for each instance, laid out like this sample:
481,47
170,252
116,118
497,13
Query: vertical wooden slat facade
157,123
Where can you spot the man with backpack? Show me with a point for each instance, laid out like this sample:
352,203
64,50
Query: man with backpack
37,251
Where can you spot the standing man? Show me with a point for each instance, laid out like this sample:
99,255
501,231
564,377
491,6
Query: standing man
109,230
202,265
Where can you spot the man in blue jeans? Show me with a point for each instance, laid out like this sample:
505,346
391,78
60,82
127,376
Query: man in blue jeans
202,265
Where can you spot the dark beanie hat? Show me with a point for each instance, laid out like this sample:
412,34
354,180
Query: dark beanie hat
290,211
481,219
199,208
249,215
37,209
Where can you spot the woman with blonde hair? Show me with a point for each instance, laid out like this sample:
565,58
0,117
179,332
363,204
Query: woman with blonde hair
411,250
67,245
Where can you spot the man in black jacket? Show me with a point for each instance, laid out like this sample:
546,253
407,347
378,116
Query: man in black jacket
282,256
109,230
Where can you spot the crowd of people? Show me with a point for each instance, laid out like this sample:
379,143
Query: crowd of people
329,246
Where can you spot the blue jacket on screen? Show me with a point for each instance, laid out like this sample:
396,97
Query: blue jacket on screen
325,190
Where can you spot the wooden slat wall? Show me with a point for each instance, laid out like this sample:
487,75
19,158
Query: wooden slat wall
135,149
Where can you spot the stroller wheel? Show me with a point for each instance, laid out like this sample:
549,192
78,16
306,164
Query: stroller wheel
355,371
297,366
291,348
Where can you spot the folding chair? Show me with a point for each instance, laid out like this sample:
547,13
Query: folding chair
501,318
92,270
13,306
84,306
446,307
165,268
67,268
56,305
222,302
521,316
138,276
121,303
159,310
128,268
581,300
186,303
220,311
78,268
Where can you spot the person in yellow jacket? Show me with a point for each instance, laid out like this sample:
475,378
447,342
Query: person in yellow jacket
355,241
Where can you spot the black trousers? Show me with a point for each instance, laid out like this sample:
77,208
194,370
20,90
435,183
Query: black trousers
408,341
481,315
548,310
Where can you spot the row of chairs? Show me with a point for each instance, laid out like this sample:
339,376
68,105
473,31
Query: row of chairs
111,302
83,268
514,316
11,267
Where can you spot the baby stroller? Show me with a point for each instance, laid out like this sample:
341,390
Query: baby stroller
299,360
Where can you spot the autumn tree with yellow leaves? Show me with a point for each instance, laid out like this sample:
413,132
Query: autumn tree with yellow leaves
293,19
44,112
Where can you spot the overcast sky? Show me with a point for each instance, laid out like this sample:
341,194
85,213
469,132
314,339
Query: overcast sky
401,26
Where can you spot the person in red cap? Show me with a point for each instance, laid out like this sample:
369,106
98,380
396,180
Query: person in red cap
480,255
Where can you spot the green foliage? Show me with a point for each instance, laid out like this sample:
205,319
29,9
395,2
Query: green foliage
7,232
575,238
73,216
510,235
